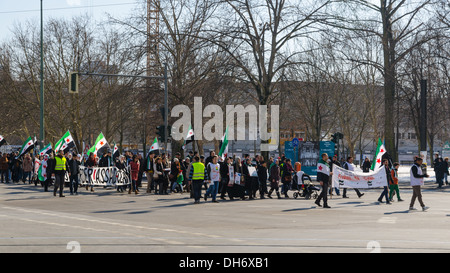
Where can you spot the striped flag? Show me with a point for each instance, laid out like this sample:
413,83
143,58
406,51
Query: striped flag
381,150
224,145
189,137
2,141
65,143
155,146
46,150
26,147
323,167
115,152
99,143
42,172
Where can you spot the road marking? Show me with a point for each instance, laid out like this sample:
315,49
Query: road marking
100,222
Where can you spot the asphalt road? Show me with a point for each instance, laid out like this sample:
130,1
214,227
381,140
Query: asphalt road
107,221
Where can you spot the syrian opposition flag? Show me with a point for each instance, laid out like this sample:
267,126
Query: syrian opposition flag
99,143
2,141
26,147
115,152
189,137
381,150
42,172
65,143
155,147
323,167
224,145
46,150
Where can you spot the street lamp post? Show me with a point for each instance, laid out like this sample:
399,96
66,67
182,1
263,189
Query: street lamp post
166,109
42,134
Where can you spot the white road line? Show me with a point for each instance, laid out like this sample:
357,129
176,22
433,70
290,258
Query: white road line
97,221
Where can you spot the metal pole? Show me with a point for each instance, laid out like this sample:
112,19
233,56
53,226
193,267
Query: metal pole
42,132
166,108
423,118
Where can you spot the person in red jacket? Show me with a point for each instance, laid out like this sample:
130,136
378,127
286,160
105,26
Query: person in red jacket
134,165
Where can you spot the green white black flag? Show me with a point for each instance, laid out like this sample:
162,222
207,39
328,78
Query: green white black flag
65,143
26,147
189,137
46,150
99,143
224,145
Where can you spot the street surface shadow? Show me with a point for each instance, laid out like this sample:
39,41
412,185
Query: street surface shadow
139,212
397,212
369,204
110,211
351,203
299,209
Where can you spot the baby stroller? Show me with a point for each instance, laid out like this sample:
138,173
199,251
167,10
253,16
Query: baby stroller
306,190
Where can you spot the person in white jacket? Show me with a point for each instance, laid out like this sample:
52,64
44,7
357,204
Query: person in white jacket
416,177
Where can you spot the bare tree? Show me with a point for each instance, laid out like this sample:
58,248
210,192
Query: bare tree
257,36
70,45
394,23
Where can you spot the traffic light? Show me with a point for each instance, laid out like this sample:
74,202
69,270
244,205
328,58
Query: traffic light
333,138
169,131
73,83
160,132
336,136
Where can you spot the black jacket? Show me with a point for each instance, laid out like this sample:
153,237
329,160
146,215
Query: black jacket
51,163
104,161
224,172
388,175
74,166
366,166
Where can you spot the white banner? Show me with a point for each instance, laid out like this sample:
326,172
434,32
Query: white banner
102,176
343,178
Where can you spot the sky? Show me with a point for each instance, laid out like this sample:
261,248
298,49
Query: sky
19,11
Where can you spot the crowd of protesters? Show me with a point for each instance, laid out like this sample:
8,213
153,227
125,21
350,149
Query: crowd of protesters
218,177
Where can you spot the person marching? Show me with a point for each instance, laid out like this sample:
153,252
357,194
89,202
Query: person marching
197,176
274,178
60,171
388,182
74,165
90,164
393,187
134,166
213,175
416,177
224,177
262,178
336,162
238,190
51,163
323,176
286,176
348,165
149,168
121,165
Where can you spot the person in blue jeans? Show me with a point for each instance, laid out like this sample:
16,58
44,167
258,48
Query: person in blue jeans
213,175
389,180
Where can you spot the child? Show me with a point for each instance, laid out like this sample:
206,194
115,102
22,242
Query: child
393,186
